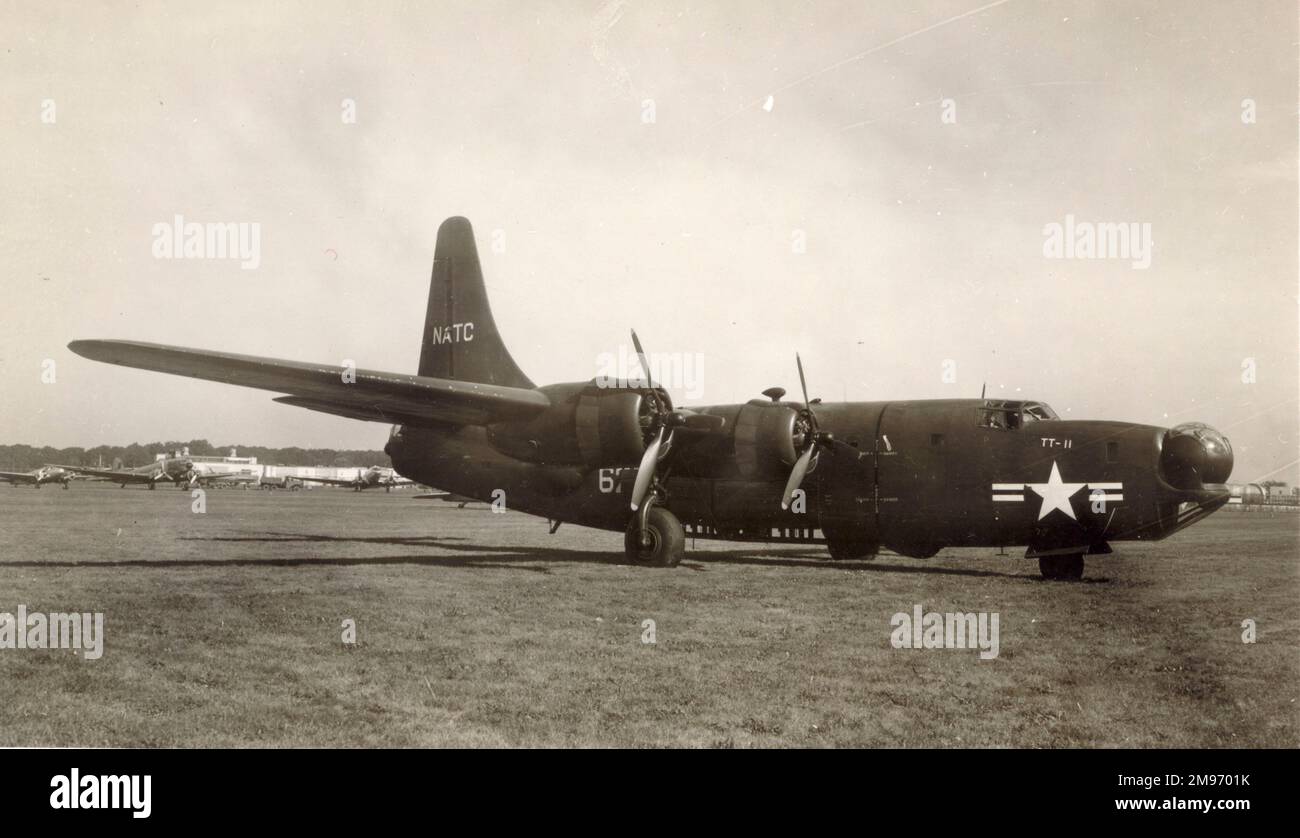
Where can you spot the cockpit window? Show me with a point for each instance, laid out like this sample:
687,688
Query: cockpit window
1038,410
1012,415
999,418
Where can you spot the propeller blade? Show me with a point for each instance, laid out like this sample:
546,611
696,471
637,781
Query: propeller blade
803,385
796,475
645,364
646,472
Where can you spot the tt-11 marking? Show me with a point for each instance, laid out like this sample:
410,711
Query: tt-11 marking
1053,442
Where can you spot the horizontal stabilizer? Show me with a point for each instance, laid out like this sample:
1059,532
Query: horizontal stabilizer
374,396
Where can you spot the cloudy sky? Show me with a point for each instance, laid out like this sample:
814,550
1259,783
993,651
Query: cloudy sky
882,213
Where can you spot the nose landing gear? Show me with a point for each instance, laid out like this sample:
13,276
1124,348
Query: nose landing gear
660,543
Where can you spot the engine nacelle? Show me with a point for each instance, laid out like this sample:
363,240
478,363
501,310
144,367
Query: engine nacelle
586,425
766,437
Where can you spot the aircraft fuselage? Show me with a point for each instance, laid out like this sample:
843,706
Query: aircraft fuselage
911,476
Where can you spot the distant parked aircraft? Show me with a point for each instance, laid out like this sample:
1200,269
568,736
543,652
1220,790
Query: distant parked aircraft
446,497
38,477
173,469
199,476
371,478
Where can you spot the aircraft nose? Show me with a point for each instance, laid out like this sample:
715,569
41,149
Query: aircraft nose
1194,454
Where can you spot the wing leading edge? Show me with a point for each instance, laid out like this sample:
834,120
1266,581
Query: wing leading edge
372,396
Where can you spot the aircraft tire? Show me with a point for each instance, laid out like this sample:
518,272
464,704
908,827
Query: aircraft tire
1069,568
846,549
668,540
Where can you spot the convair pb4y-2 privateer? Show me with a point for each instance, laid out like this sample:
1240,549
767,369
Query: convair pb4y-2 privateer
910,476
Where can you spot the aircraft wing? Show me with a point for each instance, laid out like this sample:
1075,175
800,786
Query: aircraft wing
333,481
17,476
393,398
115,476
218,476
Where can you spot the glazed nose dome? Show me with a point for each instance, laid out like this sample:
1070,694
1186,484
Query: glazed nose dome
1193,454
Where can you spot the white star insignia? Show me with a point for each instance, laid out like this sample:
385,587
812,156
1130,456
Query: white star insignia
1055,494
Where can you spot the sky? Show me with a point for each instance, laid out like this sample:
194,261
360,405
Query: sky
868,185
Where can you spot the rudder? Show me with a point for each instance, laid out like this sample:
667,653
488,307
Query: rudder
461,340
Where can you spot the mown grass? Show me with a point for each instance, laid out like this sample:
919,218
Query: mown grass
481,629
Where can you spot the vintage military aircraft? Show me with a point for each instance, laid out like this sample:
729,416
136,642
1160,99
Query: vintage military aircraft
174,469
446,497
911,476
200,476
38,477
371,478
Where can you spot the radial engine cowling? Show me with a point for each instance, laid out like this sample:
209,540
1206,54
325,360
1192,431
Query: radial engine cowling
1194,454
767,437
586,425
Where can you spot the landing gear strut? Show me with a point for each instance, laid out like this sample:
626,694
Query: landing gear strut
662,542
1061,567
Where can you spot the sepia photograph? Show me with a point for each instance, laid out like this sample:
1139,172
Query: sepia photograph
608,374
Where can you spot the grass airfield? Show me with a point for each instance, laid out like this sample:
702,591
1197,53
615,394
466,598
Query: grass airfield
480,629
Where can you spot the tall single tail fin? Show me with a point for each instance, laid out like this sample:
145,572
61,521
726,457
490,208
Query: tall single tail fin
461,340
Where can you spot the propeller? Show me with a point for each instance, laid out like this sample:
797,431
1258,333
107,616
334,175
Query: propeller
813,438
663,419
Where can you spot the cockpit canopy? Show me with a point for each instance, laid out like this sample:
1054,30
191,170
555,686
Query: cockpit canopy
1012,415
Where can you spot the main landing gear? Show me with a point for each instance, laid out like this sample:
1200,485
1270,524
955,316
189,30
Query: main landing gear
1061,567
655,539
844,549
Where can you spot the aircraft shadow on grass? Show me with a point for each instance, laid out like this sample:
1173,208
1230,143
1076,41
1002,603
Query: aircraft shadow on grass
515,558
